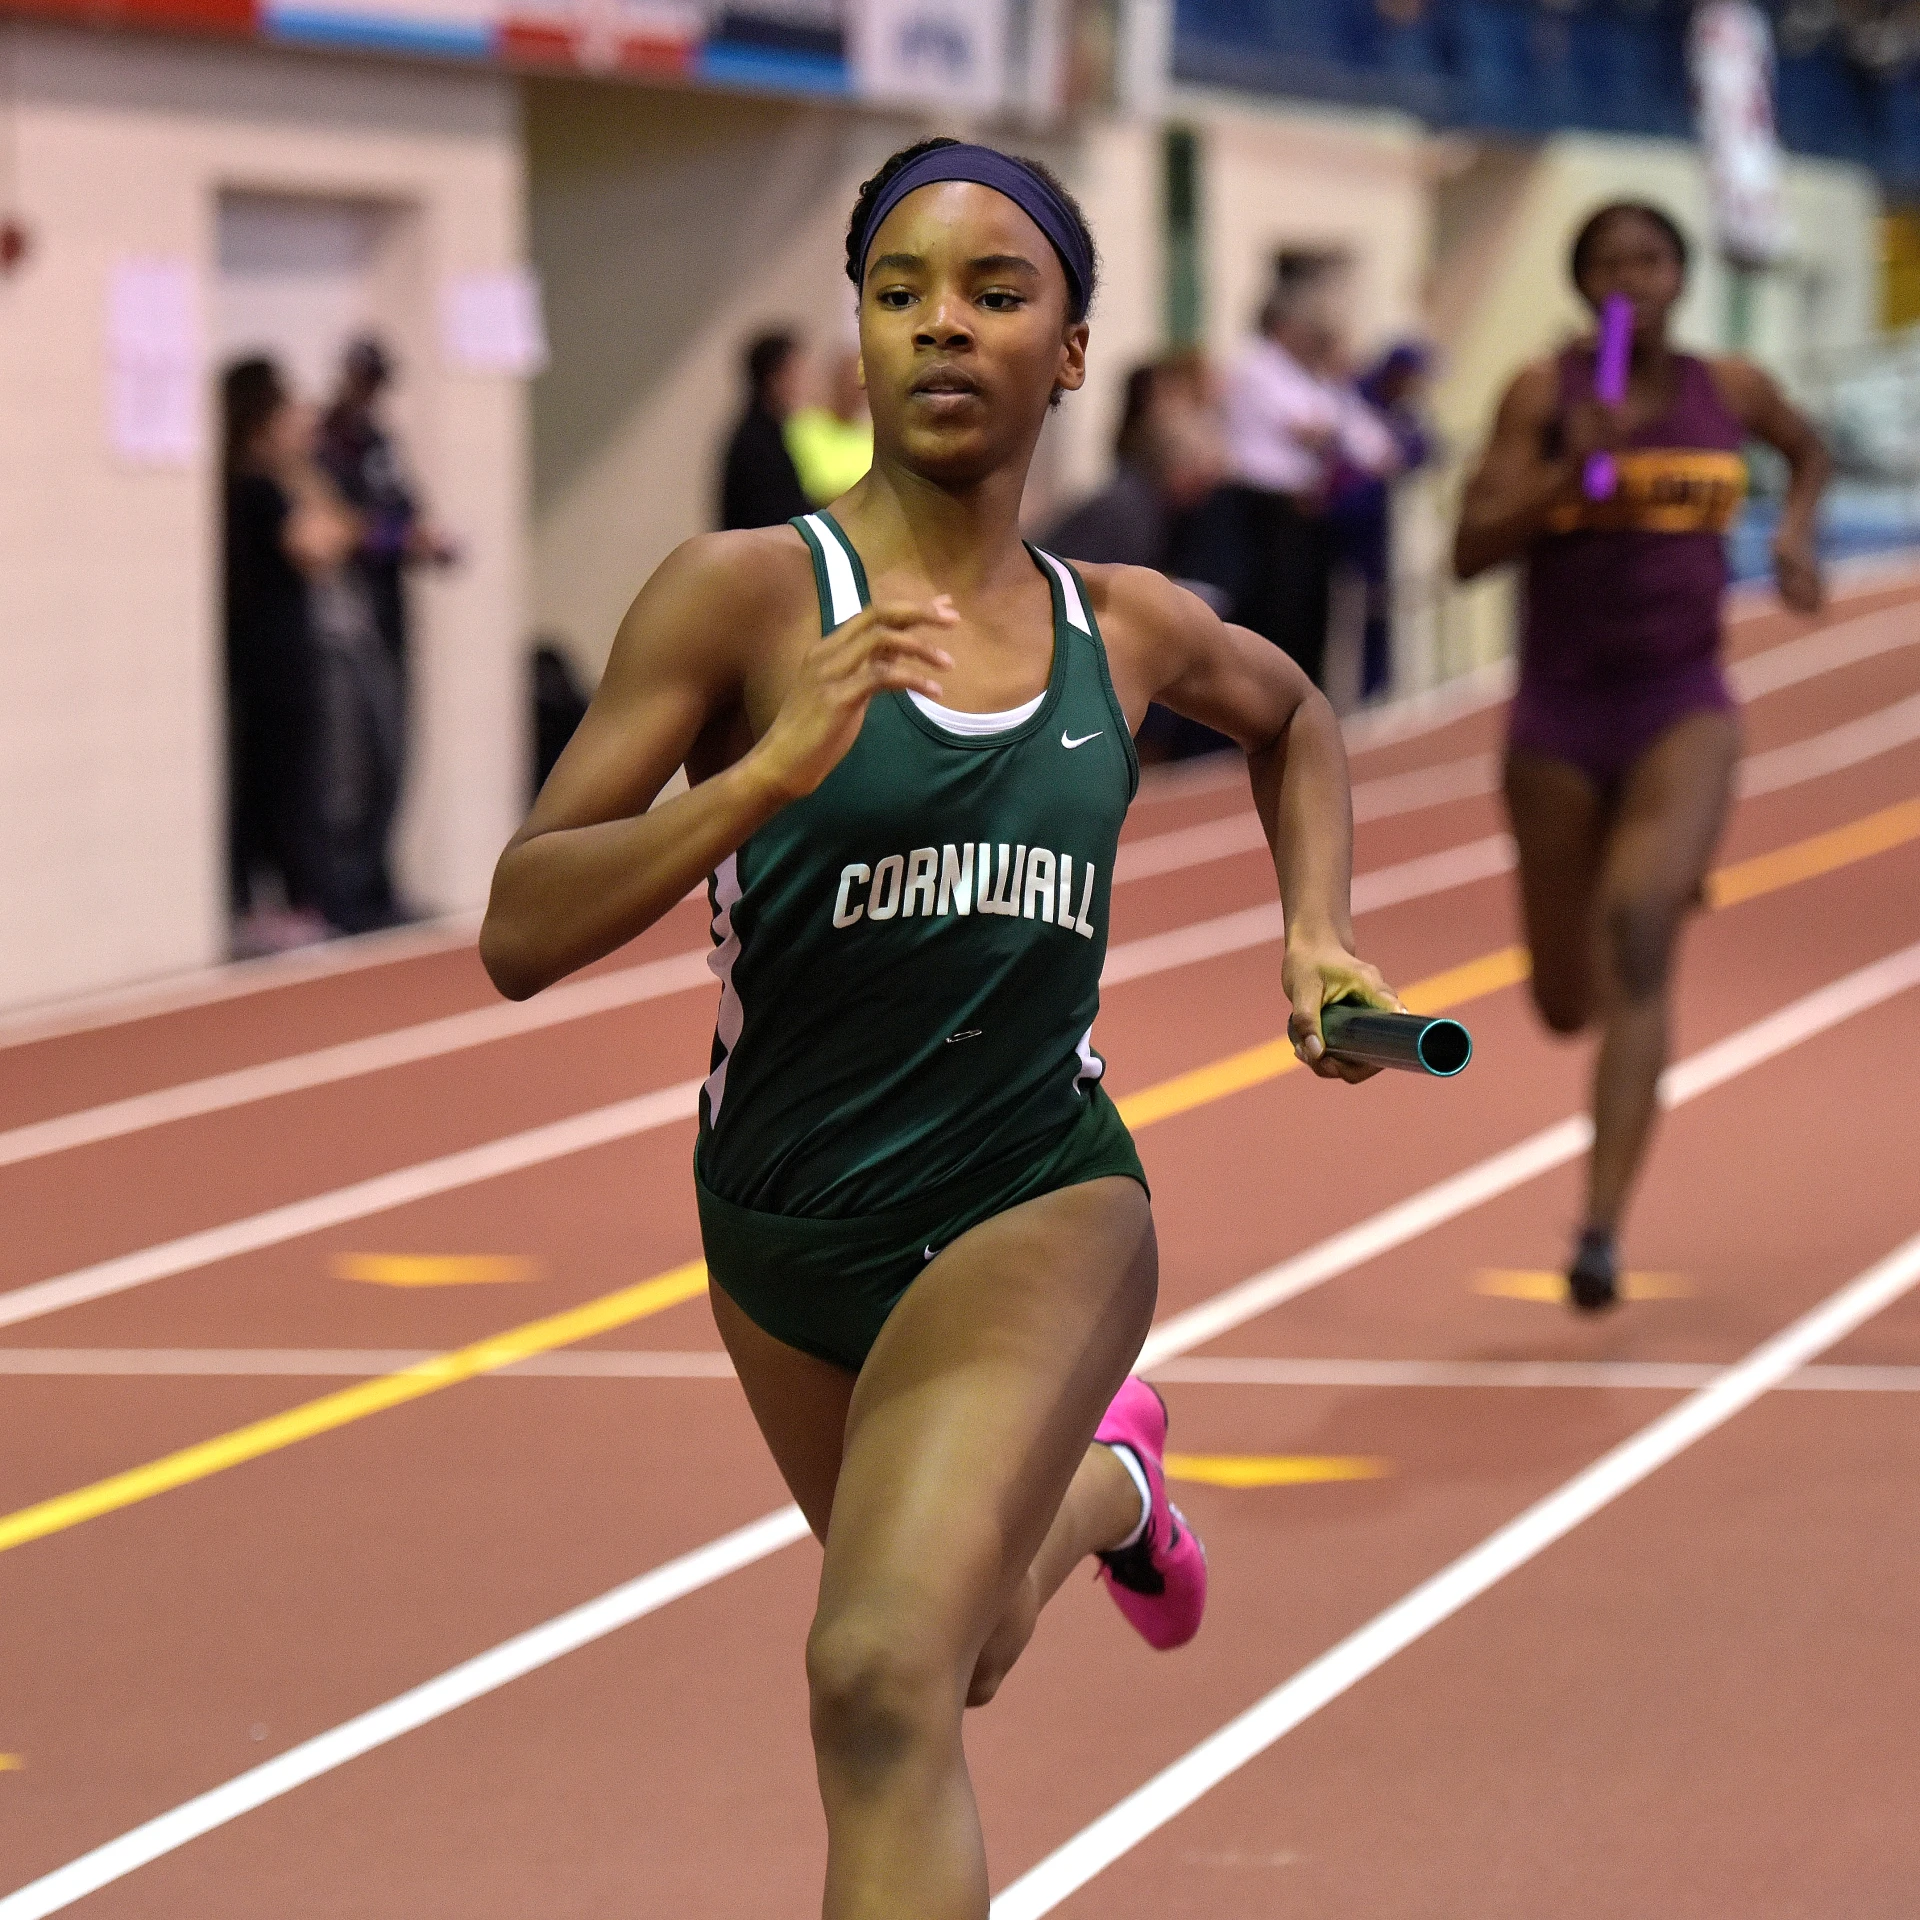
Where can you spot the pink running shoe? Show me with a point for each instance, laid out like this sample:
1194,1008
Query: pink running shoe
1160,1582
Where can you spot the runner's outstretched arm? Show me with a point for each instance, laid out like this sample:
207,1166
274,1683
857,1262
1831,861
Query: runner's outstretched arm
1241,685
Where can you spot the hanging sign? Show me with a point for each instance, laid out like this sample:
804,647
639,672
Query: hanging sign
1730,58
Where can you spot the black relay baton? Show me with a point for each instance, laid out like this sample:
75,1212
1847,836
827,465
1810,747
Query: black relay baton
1412,1041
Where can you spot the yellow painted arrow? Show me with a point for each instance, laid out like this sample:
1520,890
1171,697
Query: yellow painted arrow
434,1269
1273,1469
1526,1283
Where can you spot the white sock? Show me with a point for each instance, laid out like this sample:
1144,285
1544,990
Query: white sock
1138,1475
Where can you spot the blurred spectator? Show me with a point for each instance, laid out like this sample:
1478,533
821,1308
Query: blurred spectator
280,529
1167,461
1289,418
559,705
1360,507
367,724
1167,465
361,704
832,445
1127,523
358,449
758,486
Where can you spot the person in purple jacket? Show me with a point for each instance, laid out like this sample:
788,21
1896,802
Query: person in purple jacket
1623,740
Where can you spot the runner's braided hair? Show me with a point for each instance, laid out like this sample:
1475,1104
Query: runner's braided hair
871,190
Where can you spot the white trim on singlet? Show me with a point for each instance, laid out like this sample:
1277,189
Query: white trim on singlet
977,726
732,1016
1069,593
843,589
1092,1067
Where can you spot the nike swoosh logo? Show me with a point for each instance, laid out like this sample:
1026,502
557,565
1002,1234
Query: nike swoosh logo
931,1251
1067,740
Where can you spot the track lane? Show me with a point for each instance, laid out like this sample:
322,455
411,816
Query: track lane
1421,876
555,1803
530,1517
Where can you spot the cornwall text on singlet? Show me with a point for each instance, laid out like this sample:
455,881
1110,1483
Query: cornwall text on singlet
910,956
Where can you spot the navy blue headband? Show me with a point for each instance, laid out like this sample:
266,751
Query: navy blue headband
1031,194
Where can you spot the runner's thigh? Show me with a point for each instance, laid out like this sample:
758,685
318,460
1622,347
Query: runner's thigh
1558,817
975,1408
799,1403
1673,804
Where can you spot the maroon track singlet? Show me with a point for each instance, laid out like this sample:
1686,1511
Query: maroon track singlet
1623,596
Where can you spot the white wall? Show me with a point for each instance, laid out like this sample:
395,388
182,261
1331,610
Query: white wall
112,831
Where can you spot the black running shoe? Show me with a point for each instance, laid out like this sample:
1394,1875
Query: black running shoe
1593,1284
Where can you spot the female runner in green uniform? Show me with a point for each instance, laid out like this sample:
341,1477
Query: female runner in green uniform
928,1231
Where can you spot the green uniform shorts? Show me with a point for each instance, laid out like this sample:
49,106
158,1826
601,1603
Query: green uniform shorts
827,1286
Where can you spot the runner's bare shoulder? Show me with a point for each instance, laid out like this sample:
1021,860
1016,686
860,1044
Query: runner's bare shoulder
713,608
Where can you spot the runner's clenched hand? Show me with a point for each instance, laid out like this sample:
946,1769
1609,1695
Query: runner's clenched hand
1315,974
881,649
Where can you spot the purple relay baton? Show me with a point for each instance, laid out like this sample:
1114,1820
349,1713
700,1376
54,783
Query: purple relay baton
1610,385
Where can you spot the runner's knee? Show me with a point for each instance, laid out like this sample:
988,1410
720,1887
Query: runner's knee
1562,1005
880,1686
1640,930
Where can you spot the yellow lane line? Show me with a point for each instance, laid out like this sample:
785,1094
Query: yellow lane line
1767,872
352,1403
1273,1469
1271,1058
1746,880
1729,886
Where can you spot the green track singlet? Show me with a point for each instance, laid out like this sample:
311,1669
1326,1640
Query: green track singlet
910,956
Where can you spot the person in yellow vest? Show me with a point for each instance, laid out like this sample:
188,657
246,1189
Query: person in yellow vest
831,446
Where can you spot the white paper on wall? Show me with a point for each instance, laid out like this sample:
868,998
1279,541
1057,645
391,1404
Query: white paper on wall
492,323
154,362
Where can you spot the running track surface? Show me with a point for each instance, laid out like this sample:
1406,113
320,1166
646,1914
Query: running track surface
1693,1694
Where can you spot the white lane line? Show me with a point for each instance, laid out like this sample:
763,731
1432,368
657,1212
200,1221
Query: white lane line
1424,787
349,1059
1472,692
486,1672
1803,1018
235,980
1845,644
513,1154
1170,1792
655,979
1849,639
1800,1020
351,1363
710,1363
1843,746
1416,879
1787,664
1846,745
1660,1376
1131,960
1840,747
